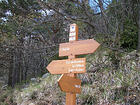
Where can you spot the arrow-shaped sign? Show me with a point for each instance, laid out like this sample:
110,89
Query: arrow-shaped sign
69,84
76,65
78,47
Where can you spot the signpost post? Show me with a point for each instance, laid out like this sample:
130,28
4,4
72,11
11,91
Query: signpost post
68,81
71,97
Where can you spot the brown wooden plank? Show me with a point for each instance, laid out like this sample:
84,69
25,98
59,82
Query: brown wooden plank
77,65
70,99
78,47
69,84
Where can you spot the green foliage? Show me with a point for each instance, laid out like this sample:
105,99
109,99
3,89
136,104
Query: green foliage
129,37
34,95
6,97
88,99
119,93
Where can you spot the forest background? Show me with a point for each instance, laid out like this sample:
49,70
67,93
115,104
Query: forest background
31,31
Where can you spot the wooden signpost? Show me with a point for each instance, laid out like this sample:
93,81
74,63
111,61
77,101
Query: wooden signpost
76,65
69,84
73,35
68,81
78,47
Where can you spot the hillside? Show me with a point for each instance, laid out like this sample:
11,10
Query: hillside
105,83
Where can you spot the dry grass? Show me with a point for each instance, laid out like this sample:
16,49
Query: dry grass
108,81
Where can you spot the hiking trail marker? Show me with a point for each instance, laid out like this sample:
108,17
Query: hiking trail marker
76,65
68,82
78,47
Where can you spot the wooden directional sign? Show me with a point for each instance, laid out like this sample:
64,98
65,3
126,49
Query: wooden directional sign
73,35
76,65
69,84
78,47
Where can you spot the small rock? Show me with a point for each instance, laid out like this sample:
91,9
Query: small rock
27,94
31,104
26,103
133,53
45,75
4,87
33,80
128,57
25,86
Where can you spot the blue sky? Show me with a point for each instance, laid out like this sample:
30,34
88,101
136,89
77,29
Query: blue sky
94,4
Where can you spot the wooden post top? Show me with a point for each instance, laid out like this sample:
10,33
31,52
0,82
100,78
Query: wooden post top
73,35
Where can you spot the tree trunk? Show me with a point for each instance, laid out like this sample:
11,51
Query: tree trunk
10,76
103,16
139,28
14,74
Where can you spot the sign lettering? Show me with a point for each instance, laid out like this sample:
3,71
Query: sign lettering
76,65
